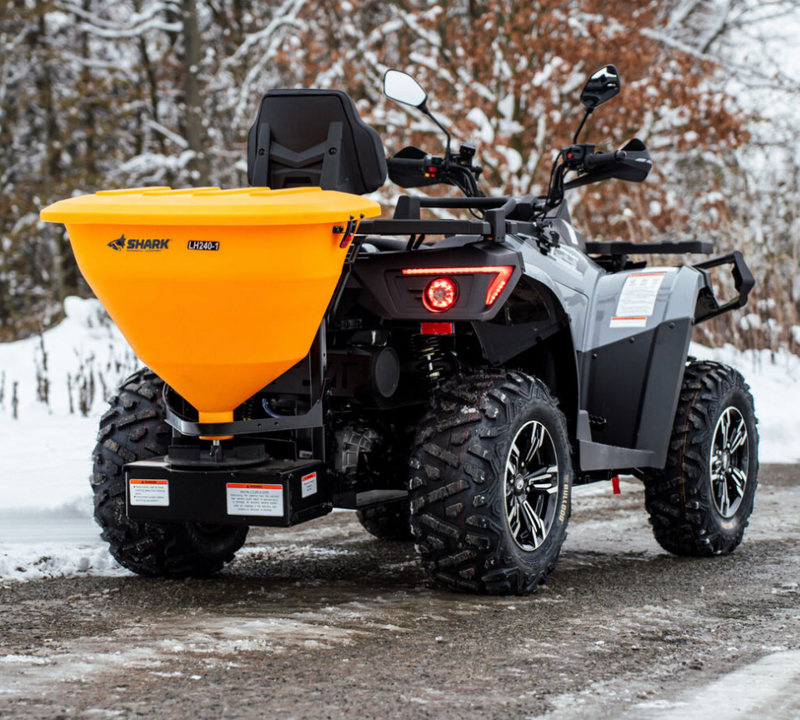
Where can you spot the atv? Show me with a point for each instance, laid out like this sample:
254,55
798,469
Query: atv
449,379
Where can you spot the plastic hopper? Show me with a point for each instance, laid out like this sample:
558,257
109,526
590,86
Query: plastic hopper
217,291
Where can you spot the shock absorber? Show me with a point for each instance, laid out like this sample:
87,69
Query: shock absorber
431,354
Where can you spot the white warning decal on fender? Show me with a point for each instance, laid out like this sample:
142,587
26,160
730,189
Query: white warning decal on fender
637,299
308,484
150,493
255,499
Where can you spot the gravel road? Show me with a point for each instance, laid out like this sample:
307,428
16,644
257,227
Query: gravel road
326,622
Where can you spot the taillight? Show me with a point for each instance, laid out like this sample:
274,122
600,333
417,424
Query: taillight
498,284
501,272
440,295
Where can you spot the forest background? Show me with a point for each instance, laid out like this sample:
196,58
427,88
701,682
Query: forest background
100,94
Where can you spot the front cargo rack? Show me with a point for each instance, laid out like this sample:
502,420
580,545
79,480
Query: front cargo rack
623,247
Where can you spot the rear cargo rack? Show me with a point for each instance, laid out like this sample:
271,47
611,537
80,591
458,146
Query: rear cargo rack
498,213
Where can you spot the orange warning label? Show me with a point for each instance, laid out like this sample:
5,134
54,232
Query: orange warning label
148,493
308,484
254,499
255,486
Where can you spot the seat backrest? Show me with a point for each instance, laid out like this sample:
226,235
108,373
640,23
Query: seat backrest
313,138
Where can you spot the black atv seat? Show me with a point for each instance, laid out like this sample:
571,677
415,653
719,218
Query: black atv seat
313,138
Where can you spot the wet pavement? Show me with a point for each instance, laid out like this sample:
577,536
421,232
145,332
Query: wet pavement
324,621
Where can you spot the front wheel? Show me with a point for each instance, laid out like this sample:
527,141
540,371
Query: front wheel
490,484
701,502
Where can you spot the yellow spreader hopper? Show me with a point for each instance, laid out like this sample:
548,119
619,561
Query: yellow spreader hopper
217,291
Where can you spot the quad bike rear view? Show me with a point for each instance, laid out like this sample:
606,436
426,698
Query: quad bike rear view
451,380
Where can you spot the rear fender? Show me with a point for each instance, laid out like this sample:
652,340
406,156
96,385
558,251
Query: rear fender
532,313
532,333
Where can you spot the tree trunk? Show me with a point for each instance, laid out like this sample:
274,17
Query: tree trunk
192,92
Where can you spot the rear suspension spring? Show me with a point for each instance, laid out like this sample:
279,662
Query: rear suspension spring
432,357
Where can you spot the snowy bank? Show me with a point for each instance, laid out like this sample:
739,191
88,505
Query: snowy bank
51,560
62,379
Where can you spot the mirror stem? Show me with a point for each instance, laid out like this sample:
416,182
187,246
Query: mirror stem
424,108
588,112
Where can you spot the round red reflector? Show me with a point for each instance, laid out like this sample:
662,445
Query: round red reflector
440,295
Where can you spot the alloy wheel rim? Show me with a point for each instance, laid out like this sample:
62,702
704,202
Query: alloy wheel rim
531,485
729,462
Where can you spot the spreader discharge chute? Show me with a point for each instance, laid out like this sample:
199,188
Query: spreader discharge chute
217,291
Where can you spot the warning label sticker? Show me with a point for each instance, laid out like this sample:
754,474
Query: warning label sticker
637,299
623,322
151,493
308,484
255,499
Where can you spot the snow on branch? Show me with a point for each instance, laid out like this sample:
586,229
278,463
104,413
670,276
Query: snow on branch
787,83
132,32
167,133
135,21
286,14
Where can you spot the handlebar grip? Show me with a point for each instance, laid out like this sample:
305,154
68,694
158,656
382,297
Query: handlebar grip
414,171
414,164
601,160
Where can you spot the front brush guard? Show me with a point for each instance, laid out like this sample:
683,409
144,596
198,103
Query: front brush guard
708,306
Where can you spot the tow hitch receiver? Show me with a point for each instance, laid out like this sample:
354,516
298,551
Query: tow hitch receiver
276,494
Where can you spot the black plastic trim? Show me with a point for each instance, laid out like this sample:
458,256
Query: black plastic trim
623,247
424,227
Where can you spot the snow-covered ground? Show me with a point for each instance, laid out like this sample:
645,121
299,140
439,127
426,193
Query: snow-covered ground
45,460
46,527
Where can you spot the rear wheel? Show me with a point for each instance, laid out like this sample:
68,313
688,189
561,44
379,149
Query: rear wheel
390,521
490,484
701,502
132,429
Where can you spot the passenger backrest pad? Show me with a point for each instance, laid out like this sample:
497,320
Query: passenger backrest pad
314,138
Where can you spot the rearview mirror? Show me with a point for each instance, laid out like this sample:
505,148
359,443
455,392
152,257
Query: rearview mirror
401,87
601,86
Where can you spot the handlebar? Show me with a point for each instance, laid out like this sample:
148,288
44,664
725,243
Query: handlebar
596,161
412,168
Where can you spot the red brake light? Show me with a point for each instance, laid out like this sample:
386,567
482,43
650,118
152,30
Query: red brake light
498,284
440,295
502,274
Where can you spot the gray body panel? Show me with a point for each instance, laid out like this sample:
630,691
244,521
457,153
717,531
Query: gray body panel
629,370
